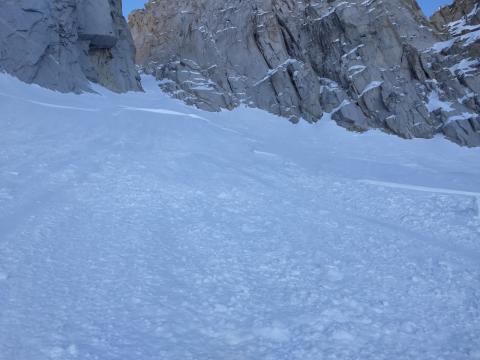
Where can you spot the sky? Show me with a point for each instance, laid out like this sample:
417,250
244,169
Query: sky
129,5
429,6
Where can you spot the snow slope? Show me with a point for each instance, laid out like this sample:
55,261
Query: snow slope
133,227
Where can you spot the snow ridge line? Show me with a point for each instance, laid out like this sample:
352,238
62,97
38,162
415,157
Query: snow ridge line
475,195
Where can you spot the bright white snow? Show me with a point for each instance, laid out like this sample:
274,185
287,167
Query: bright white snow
133,227
435,103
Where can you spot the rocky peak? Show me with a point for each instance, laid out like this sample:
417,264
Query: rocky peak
461,21
467,10
366,64
65,44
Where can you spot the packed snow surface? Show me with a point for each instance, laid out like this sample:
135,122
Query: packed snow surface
133,227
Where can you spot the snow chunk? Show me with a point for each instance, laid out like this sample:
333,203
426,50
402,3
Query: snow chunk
465,66
343,336
443,45
277,333
434,103
371,86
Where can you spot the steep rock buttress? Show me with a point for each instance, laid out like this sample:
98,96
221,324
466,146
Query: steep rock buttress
66,44
367,64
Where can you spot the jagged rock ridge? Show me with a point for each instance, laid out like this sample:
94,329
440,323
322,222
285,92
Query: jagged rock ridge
460,22
367,64
65,44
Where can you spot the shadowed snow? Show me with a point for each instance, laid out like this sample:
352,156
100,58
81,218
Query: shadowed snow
142,229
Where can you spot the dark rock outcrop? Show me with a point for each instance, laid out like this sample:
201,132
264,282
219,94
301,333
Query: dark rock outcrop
65,44
460,24
367,64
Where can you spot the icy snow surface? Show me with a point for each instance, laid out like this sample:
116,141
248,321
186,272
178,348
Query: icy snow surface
133,227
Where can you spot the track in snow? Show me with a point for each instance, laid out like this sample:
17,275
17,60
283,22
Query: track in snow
149,230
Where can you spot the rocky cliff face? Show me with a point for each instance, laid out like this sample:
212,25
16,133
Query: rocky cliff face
460,24
460,17
64,44
366,64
